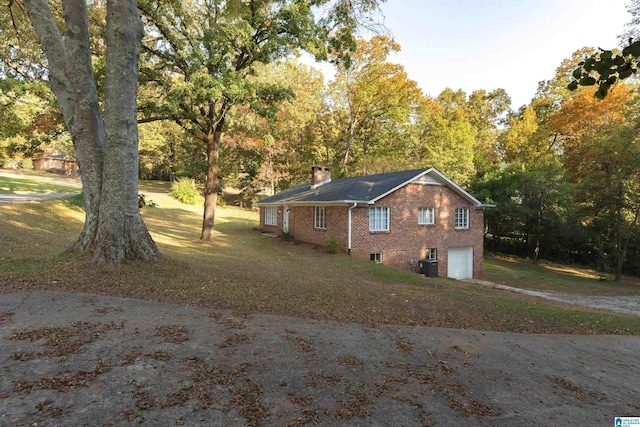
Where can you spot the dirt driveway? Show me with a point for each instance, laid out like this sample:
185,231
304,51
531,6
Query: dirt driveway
83,360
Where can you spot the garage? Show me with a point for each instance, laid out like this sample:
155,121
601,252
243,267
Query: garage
460,263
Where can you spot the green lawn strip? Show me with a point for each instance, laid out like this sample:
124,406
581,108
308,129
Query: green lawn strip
250,273
554,278
35,185
154,186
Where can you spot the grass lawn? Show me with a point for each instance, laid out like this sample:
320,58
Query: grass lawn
250,273
556,278
154,186
20,183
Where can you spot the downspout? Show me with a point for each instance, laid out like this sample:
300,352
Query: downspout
349,233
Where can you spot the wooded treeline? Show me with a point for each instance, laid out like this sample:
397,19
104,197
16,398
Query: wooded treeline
563,170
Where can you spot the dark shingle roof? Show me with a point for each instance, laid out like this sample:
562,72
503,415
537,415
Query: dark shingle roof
356,189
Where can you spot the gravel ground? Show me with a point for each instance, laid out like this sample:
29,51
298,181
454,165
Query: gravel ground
84,360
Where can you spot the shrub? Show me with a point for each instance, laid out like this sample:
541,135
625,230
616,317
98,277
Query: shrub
332,245
285,235
27,164
185,191
77,200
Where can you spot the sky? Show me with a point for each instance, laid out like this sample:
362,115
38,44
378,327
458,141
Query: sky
490,44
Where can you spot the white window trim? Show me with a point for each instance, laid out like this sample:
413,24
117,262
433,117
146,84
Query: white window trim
426,216
375,220
320,217
461,218
271,215
432,254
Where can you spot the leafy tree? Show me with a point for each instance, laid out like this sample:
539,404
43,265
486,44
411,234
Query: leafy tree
605,68
106,148
21,56
487,113
516,143
579,122
602,154
269,147
372,99
30,120
163,149
445,137
533,205
198,57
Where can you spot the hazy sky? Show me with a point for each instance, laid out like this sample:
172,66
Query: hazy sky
487,44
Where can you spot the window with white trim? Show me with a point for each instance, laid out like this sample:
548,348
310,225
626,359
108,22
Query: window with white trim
426,216
320,217
462,218
379,219
271,215
376,257
432,254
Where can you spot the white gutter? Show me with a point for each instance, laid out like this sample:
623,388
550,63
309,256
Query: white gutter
349,233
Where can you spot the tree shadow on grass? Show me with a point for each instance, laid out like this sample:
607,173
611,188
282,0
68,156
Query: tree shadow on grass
28,186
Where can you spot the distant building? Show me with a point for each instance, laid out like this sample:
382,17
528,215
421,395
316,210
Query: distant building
59,163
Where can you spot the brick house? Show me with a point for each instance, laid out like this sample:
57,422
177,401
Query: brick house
396,218
60,164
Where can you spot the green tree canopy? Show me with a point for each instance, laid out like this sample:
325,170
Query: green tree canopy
198,56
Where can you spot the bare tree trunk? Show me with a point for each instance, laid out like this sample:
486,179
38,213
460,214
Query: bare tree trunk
71,80
108,159
536,251
122,233
212,184
347,151
620,261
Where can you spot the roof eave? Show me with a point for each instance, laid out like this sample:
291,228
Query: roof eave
314,203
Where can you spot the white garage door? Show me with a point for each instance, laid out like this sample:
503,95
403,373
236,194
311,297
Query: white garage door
460,263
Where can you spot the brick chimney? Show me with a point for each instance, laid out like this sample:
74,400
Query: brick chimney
320,176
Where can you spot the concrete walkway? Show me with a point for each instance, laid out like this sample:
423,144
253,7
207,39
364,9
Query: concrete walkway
24,198
619,304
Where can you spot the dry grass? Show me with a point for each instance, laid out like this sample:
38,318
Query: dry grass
249,273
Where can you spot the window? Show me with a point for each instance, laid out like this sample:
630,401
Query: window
376,257
432,254
426,216
270,215
319,217
462,218
378,219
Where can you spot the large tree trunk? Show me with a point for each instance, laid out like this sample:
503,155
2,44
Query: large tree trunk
108,158
122,233
87,128
353,129
71,80
212,184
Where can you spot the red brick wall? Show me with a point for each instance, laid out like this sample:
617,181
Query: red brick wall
406,242
301,225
